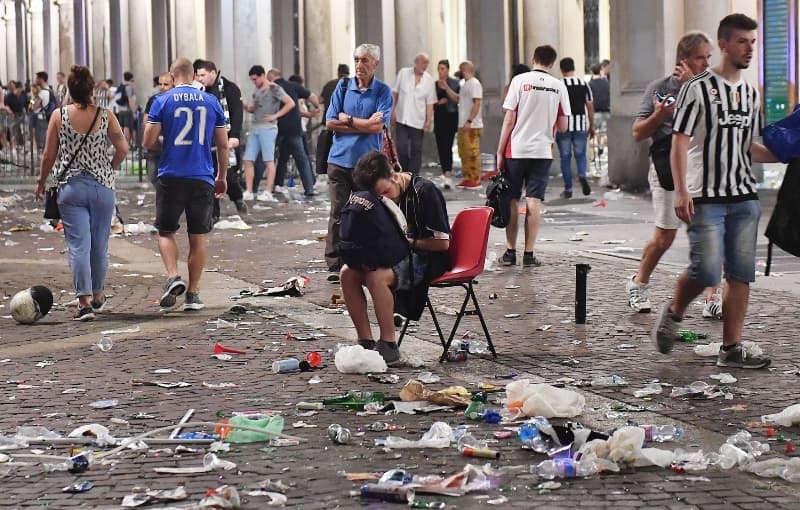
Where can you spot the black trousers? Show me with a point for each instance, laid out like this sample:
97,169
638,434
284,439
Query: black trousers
408,142
232,178
445,127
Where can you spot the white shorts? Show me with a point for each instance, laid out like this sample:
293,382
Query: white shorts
663,203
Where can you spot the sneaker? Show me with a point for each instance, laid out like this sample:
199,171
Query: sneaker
465,184
665,330
266,196
509,258
173,288
447,182
388,351
193,302
530,260
98,306
279,189
248,195
585,188
241,207
567,193
84,314
738,357
712,309
638,296
367,344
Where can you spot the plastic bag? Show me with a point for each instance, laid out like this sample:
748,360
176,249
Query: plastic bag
783,137
544,400
788,417
438,436
101,433
354,359
788,469
272,424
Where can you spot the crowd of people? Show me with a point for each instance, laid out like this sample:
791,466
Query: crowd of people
703,123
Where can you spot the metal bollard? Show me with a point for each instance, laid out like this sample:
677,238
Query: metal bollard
581,270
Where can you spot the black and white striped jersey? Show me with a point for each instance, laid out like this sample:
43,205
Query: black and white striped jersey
721,118
579,94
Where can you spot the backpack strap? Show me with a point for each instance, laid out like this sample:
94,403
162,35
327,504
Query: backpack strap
769,259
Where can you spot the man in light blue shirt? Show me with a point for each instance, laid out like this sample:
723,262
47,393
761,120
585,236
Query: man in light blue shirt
357,115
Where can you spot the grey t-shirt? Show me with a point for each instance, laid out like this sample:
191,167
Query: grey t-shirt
668,86
267,102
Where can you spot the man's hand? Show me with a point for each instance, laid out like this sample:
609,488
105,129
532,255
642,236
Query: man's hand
427,126
442,84
220,187
342,117
233,143
684,207
682,72
662,109
377,116
500,160
393,118
270,117
591,131
442,101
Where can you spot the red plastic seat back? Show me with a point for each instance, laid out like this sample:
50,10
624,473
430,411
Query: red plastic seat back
468,237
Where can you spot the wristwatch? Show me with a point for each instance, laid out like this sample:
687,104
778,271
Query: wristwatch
469,121
350,120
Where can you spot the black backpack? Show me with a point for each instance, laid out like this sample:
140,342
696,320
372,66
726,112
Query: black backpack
498,197
122,95
325,140
51,105
783,229
369,236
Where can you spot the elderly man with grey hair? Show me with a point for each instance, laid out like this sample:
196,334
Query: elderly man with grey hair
359,110
414,94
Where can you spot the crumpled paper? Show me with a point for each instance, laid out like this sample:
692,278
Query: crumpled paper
456,396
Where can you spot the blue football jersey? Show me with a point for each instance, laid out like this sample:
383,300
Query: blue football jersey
188,117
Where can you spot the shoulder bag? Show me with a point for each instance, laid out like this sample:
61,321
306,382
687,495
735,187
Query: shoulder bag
51,211
325,140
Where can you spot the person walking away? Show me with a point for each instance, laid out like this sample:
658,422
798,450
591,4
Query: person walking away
580,127
445,121
76,150
191,121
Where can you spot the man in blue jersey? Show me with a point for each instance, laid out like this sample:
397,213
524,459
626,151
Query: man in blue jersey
190,122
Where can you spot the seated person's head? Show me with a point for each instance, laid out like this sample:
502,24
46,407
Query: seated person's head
374,173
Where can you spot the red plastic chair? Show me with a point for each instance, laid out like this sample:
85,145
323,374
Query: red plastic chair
468,239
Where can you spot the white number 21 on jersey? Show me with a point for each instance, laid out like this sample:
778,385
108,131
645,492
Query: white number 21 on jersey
184,137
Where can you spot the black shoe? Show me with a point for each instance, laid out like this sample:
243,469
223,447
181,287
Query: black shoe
388,351
530,260
173,288
509,258
585,188
84,314
567,193
367,344
241,207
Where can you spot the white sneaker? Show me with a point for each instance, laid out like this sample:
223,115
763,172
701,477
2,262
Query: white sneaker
248,195
712,309
265,196
280,189
638,296
447,182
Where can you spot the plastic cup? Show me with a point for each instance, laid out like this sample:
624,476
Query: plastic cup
314,359
105,344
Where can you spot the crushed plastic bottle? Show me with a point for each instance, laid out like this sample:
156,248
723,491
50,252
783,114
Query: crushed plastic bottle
650,389
531,438
476,407
565,468
696,389
475,347
609,380
661,433
105,343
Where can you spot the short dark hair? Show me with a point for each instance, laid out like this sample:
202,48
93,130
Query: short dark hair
155,81
296,78
519,69
733,22
343,69
204,64
545,55
370,168
110,82
444,62
81,85
127,76
566,65
42,75
256,70
595,69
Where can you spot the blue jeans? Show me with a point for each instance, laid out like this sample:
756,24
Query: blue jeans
569,143
294,146
86,209
723,233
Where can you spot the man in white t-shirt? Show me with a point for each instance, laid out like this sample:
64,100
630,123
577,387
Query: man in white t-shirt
470,125
535,105
414,95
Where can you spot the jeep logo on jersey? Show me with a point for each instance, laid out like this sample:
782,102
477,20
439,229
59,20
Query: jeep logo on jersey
734,119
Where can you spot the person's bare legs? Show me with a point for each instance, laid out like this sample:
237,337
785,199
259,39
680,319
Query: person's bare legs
169,252
196,260
734,303
532,216
379,283
249,175
352,282
270,166
513,225
653,251
685,291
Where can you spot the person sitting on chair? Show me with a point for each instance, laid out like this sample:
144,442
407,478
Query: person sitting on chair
407,205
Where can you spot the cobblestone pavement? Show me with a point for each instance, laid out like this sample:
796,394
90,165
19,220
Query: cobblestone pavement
542,343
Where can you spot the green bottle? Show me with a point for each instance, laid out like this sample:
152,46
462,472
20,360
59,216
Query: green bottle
687,335
354,399
476,407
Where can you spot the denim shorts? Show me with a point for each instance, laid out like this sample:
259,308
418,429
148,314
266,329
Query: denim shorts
261,139
723,235
534,172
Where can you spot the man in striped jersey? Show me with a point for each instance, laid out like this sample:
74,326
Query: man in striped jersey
716,118
580,127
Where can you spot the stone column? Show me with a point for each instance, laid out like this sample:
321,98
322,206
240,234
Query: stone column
413,30
539,26
8,37
252,35
219,34
488,47
119,40
375,24
320,63
100,37
66,35
283,37
141,50
189,23
162,51
37,39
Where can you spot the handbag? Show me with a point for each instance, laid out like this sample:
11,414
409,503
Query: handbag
783,137
390,151
325,139
498,197
659,154
51,211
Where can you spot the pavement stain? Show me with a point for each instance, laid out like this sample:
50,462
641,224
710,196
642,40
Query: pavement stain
314,469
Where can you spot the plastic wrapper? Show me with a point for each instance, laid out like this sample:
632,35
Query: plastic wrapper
544,400
101,434
414,391
438,436
788,417
271,425
788,469
354,359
